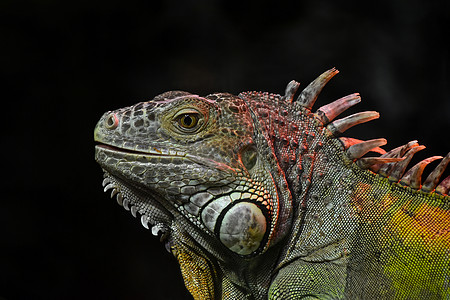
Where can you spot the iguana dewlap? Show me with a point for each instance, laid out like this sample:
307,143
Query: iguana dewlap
258,196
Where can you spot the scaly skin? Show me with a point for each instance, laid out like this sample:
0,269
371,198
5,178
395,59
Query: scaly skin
257,197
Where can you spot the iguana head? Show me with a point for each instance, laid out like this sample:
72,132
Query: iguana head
181,158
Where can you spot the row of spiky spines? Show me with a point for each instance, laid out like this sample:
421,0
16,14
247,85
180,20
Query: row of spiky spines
390,164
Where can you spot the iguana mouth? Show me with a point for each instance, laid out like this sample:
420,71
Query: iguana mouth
161,153
151,152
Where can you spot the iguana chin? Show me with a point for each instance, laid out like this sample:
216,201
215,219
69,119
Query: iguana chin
258,197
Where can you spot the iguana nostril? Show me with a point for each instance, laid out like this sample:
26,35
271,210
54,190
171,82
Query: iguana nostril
111,121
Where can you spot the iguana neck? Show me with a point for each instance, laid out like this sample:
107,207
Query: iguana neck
323,183
317,172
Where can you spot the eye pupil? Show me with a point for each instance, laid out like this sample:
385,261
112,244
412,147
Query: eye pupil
187,120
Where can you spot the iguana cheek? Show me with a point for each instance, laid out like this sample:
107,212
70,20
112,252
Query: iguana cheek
243,228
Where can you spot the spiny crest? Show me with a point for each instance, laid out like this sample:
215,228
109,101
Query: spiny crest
392,164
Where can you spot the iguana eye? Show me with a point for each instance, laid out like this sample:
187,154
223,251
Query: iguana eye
188,121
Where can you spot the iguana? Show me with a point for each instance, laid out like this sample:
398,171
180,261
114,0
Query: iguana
259,197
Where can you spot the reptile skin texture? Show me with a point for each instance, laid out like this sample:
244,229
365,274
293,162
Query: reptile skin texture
260,196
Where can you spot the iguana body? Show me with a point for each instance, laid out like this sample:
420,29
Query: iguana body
257,197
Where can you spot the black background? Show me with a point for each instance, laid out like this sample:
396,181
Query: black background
63,64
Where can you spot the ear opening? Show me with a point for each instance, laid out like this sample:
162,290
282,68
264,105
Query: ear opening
249,156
